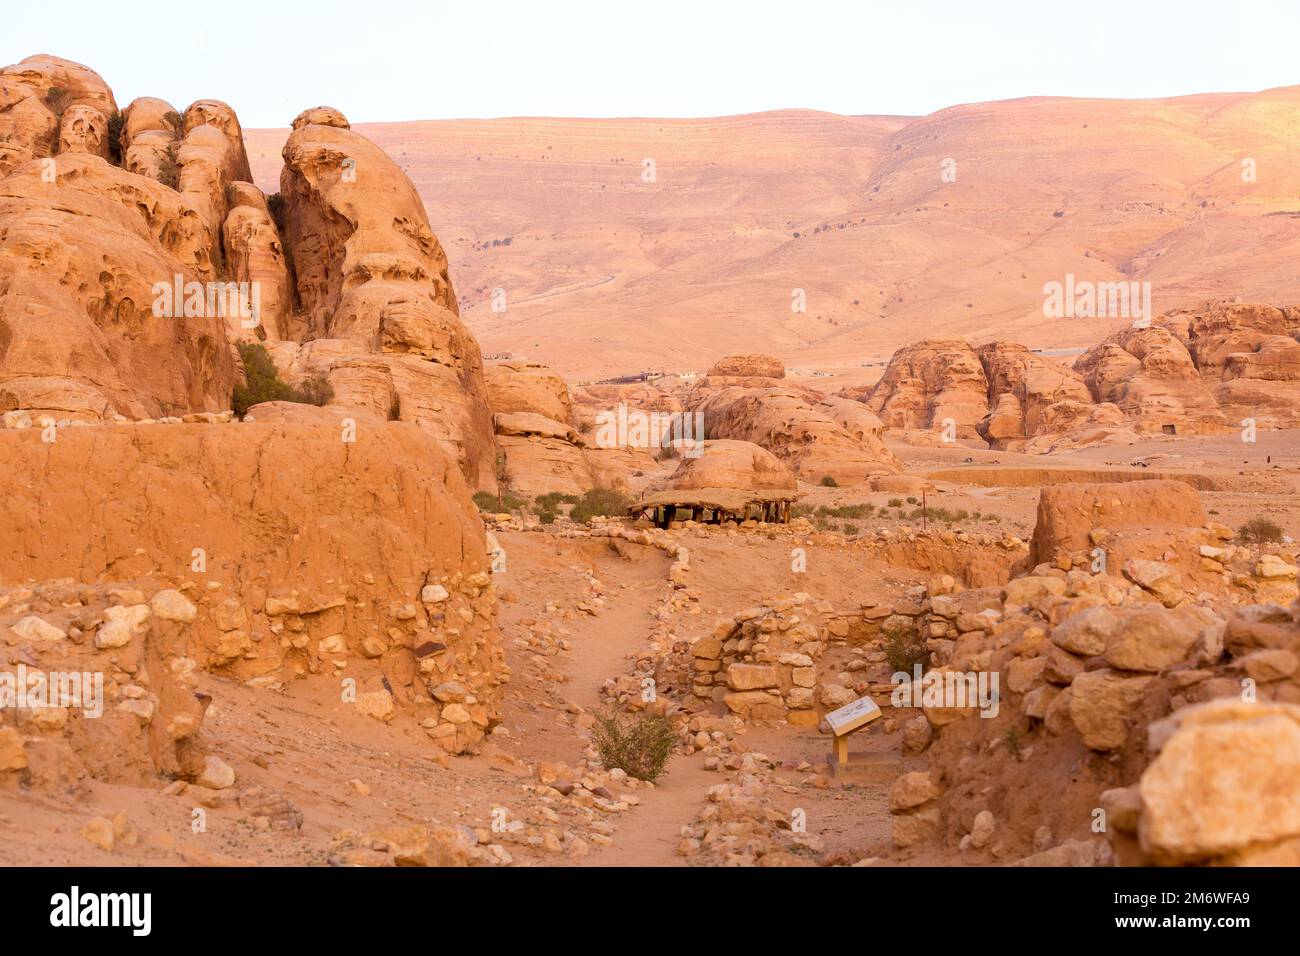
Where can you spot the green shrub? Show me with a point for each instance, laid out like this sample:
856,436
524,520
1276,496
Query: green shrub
904,650
850,529
828,481
1012,739
262,383
553,499
801,511
315,390
599,501
546,516
176,122
1260,531
911,499
169,171
638,745
497,503
895,502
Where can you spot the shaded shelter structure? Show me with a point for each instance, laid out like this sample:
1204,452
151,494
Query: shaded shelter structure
728,481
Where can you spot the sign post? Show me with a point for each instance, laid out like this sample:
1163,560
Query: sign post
846,720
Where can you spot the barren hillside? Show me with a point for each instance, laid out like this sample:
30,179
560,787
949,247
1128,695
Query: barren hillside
605,273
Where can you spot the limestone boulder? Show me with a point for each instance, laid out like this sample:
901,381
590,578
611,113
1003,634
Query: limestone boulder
1226,782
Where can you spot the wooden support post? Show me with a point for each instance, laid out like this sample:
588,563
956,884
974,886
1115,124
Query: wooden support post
842,749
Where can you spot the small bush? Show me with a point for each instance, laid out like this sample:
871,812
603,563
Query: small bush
1260,531
911,499
262,383
1012,739
895,503
801,511
904,650
850,529
176,122
599,501
828,481
58,99
504,501
638,745
275,205
546,517
315,390
553,499
169,171
668,453
116,123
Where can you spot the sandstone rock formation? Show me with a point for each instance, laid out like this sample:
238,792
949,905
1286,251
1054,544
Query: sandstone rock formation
743,399
48,106
1247,355
376,298
934,386
1201,370
1149,374
254,254
81,260
534,422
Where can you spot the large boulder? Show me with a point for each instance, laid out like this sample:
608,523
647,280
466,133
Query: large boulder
1225,784
738,465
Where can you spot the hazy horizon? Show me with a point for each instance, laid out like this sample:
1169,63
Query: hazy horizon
586,60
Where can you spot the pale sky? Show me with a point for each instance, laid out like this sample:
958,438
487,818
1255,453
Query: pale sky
388,60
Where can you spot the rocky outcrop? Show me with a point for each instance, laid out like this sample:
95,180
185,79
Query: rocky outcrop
50,106
533,418
834,438
1149,374
747,367
300,553
372,280
1249,356
254,254
936,387
82,258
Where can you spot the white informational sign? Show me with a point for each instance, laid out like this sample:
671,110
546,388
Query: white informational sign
852,716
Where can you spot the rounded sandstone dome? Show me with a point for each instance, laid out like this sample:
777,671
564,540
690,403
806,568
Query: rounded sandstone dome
749,366
321,116
738,465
